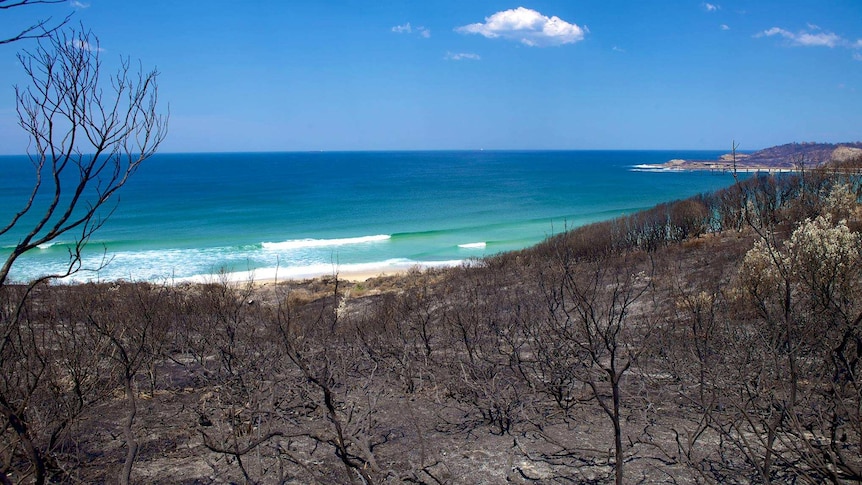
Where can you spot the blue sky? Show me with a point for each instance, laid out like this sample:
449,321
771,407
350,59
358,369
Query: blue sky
390,75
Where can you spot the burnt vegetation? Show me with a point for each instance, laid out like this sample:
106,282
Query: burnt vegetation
716,339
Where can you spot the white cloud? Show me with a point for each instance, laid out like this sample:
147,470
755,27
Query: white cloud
826,39
617,49
84,46
725,27
818,38
774,31
710,7
403,29
408,29
462,56
77,4
528,27
805,39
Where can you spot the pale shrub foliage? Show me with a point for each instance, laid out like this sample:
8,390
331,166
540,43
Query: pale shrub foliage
821,255
753,214
841,201
760,272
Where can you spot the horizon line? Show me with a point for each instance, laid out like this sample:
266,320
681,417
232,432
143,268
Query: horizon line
429,150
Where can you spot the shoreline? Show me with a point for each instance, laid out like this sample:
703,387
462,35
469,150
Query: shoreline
350,276
787,158
698,166
347,276
268,276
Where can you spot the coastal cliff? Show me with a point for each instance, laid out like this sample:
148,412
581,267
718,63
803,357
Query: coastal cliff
787,157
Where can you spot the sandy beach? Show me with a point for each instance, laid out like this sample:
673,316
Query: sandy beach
265,278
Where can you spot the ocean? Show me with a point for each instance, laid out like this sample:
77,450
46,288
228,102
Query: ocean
196,217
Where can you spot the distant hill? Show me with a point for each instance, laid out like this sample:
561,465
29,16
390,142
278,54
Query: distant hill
782,157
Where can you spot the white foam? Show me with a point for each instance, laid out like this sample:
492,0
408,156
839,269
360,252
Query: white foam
319,243
475,245
203,264
147,265
646,167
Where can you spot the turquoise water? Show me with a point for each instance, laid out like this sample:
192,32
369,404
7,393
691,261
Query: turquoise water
189,216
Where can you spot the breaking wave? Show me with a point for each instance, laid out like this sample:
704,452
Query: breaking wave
321,243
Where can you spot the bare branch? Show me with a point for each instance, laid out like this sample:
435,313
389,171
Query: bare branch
88,138
38,30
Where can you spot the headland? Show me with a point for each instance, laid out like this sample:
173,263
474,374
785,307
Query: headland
789,157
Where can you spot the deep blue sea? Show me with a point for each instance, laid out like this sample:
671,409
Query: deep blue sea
191,216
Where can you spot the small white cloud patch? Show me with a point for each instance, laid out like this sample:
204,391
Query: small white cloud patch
710,7
804,38
84,46
826,39
409,29
817,38
528,27
403,29
462,56
725,27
